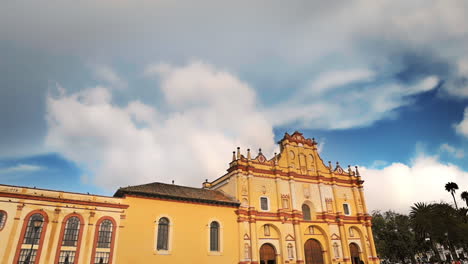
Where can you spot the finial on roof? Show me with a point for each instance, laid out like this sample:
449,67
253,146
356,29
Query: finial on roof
206,180
172,181
329,165
248,154
233,156
260,151
276,159
349,169
357,171
238,153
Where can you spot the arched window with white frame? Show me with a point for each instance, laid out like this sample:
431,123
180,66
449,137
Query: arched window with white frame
163,234
214,236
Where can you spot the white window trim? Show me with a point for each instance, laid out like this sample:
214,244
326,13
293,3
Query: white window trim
169,239
268,203
221,237
349,209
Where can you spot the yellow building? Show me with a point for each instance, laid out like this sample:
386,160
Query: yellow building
291,208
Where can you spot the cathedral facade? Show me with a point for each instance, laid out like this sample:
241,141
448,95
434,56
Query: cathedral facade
291,208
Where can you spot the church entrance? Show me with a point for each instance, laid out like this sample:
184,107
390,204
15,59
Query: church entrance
354,248
313,252
267,254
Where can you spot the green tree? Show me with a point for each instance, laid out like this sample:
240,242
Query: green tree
452,187
394,238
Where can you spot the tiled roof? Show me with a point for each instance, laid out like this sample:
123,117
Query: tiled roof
177,192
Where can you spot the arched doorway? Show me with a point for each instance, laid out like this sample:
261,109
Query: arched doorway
313,252
267,254
355,258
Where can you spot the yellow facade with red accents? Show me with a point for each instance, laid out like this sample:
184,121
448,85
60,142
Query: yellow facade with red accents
291,208
294,178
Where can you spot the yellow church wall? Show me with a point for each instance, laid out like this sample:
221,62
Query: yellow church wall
19,202
188,232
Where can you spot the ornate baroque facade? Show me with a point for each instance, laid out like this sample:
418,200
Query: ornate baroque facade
291,208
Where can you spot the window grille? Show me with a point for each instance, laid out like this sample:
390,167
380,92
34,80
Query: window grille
101,258
105,234
31,236
27,256
67,257
346,209
72,228
306,212
264,203
3,217
163,234
214,236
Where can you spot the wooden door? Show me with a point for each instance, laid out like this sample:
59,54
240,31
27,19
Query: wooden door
267,254
354,248
313,252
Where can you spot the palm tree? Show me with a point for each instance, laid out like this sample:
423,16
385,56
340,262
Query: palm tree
451,187
464,196
421,215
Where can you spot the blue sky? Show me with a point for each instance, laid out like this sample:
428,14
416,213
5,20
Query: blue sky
94,96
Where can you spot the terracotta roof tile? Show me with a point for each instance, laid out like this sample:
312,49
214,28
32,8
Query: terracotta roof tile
177,192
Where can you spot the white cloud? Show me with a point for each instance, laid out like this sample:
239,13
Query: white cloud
334,79
355,106
398,186
210,113
457,153
108,75
20,168
462,127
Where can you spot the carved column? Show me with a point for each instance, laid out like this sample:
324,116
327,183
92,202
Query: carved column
364,206
14,235
253,240
371,240
344,242
298,237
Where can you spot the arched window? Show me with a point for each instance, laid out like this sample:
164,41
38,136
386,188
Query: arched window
105,234
72,228
29,247
3,216
102,252
163,234
306,212
67,251
214,236
33,233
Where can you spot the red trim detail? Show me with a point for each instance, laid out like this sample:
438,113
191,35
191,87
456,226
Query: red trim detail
274,174
4,222
96,233
62,200
62,231
23,231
